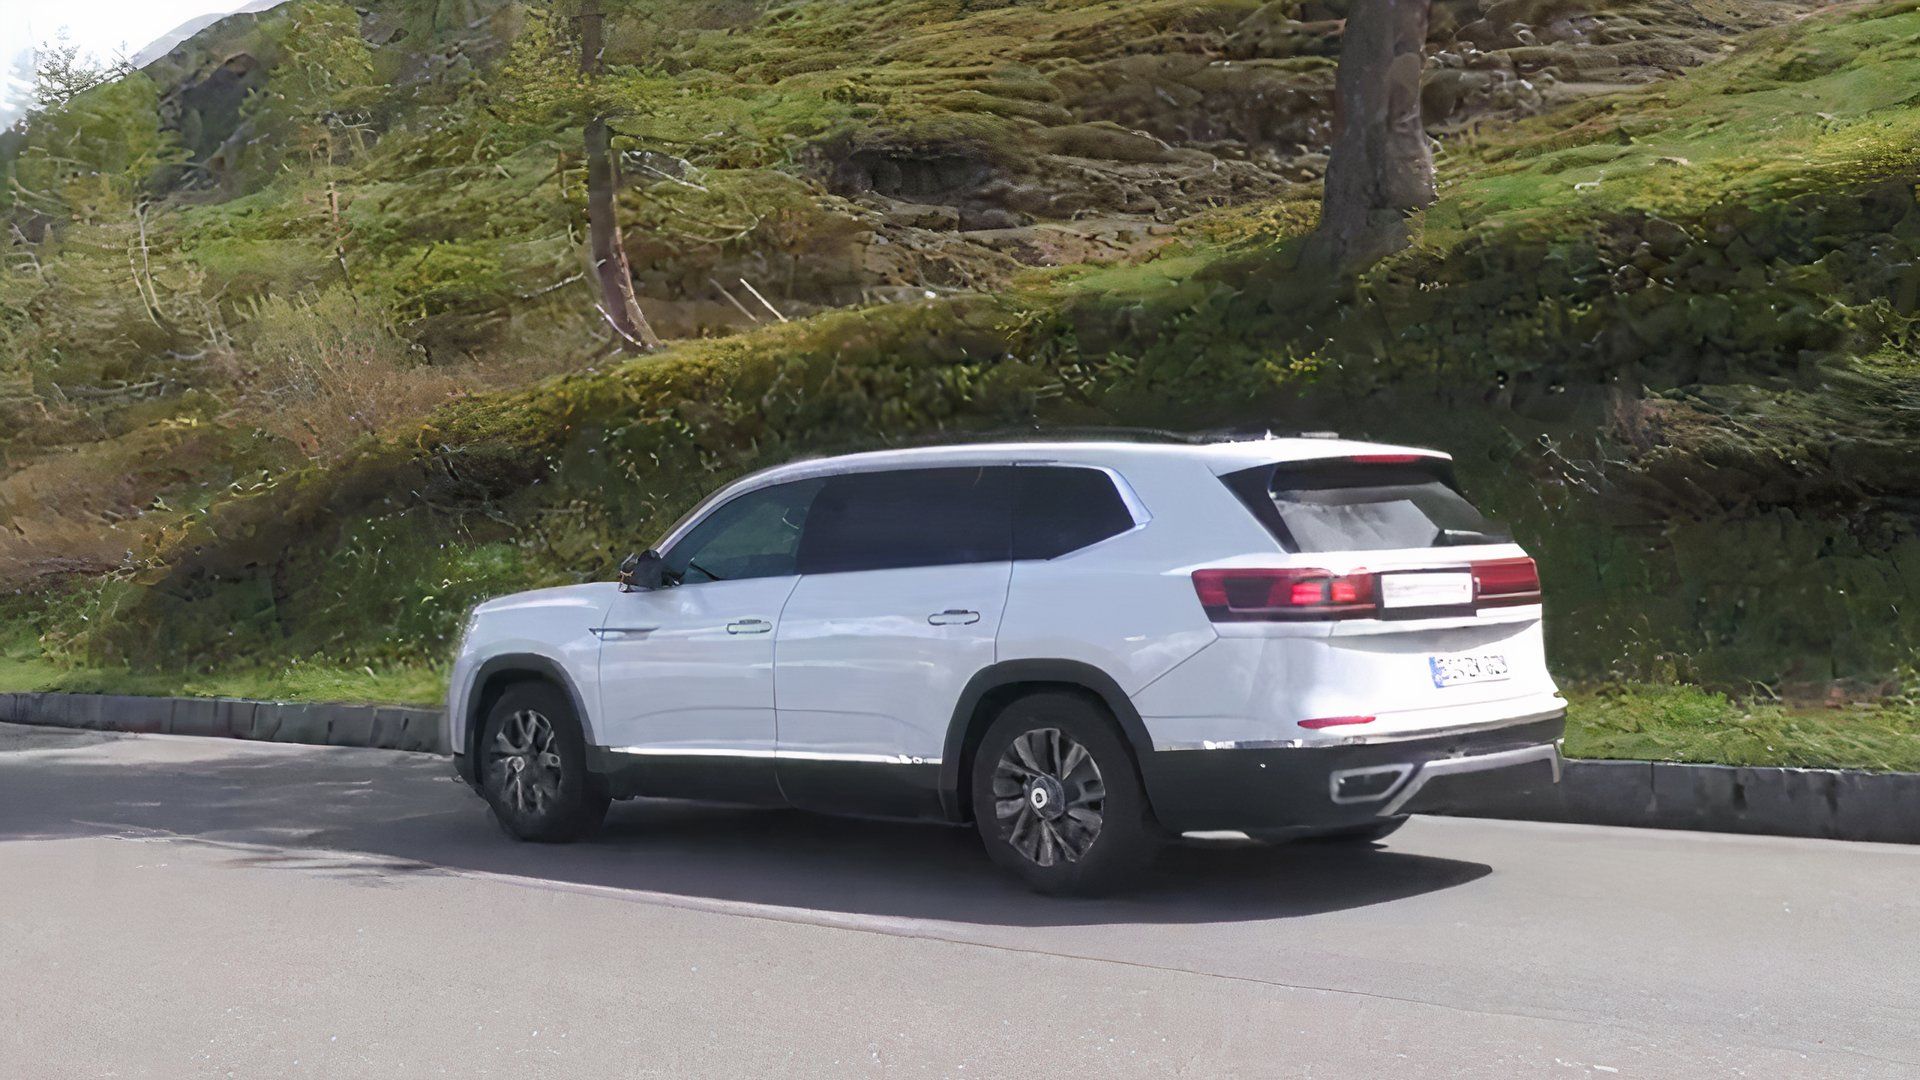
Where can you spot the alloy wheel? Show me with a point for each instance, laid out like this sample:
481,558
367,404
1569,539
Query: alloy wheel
1048,796
524,762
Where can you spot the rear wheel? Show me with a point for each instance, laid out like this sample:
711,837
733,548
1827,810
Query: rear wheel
1056,797
533,767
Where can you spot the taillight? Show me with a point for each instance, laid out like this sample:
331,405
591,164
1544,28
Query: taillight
1387,459
1266,594
1505,582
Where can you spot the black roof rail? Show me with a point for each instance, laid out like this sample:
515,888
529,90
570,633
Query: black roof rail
1092,432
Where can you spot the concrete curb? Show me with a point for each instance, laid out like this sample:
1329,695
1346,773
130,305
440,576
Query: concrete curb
1830,804
1833,804
382,727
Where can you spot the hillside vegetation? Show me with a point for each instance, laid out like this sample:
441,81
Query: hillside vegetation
301,411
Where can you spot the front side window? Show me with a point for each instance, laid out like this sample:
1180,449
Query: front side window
755,535
909,517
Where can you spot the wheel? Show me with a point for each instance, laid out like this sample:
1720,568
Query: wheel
1363,834
1057,799
533,767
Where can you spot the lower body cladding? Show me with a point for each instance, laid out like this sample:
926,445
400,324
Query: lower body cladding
867,785
1309,788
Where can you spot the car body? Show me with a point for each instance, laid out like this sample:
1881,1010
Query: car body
1287,635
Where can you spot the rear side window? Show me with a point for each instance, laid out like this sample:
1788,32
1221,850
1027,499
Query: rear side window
909,517
1058,509
1349,506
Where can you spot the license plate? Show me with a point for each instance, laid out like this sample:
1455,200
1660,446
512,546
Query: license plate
1454,670
1425,590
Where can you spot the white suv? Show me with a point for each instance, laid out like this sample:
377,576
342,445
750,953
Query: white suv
1078,646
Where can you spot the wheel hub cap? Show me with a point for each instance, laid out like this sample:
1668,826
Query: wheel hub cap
523,763
1048,797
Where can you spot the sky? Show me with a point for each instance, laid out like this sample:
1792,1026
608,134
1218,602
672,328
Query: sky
103,28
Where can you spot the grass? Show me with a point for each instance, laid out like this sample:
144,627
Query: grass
295,682
1643,721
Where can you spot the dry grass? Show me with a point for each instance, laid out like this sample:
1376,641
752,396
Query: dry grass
324,370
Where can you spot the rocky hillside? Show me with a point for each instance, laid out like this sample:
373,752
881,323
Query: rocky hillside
1663,312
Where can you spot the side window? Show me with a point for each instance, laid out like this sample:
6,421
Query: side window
909,517
756,535
1058,509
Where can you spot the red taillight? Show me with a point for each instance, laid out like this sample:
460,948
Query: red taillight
1335,721
1504,582
1264,594
1386,459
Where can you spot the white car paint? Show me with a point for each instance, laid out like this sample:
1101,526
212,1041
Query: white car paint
850,669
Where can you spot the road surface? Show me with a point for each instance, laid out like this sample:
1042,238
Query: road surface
179,907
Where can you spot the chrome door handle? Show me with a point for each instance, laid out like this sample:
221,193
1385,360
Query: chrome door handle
616,633
749,626
953,617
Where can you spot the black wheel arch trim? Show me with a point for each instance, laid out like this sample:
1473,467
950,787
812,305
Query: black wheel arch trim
535,664
1072,673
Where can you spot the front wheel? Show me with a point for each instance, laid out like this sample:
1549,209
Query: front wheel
533,767
1056,797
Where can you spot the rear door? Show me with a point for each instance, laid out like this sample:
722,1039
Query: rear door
903,581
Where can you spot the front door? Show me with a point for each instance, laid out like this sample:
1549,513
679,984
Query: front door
903,579
686,670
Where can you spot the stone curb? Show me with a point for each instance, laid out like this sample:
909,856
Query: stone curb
1833,804
382,727
1829,804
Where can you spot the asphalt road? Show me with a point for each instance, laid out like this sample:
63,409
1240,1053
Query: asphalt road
176,907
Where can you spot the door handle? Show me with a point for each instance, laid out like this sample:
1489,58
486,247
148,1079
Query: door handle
953,617
615,633
749,626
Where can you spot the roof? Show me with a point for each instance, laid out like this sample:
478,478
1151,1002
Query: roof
1221,456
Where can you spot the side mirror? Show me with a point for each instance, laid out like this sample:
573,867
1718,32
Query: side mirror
643,571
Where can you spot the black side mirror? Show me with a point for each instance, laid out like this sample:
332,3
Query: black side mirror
643,571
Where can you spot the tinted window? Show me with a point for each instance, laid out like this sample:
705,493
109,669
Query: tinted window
752,536
1059,509
910,517
1342,506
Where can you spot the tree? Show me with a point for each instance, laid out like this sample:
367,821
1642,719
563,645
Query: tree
317,95
1380,171
93,155
617,299
61,73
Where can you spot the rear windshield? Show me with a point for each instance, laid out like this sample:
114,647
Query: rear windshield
1347,506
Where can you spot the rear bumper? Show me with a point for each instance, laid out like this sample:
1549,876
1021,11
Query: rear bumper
1307,788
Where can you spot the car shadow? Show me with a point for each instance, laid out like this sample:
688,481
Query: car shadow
387,815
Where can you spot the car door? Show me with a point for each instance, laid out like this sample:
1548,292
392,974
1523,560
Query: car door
903,576
686,669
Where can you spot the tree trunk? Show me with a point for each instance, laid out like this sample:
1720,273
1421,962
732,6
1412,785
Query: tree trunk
1380,170
617,300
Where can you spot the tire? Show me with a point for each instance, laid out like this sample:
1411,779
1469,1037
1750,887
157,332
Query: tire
549,797
1083,835
1363,834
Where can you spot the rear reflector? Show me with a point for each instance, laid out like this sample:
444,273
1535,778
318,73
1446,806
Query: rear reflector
1335,721
1267,594
1505,582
